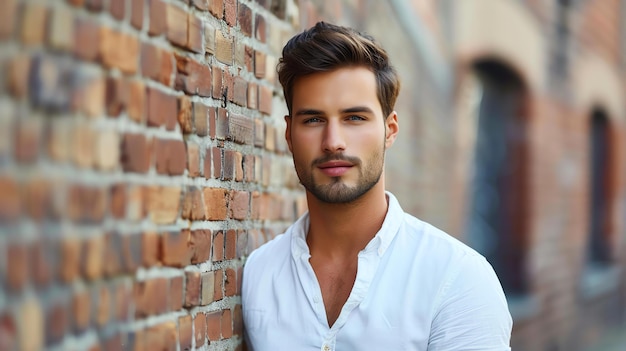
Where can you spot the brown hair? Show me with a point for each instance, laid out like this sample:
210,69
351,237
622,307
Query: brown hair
325,47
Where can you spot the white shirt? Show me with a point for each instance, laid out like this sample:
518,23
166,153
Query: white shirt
417,288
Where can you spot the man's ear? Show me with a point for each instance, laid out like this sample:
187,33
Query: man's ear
288,132
391,128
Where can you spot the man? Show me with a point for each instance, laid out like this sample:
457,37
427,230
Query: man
356,272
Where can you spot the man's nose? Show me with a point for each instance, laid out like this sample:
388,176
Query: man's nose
334,138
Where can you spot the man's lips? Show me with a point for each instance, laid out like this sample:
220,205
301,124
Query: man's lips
334,168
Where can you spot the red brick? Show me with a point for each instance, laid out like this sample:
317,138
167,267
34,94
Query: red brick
112,254
192,289
214,325
201,118
103,306
18,74
117,92
84,142
245,19
86,204
228,85
151,297
217,162
208,163
230,282
70,259
239,204
224,48
212,121
218,246
215,200
240,92
218,292
176,25
150,61
221,132
193,160
81,306
17,263
185,114
60,31
176,294
86,39
248,168
170,156
238,320
162,109
136,209
94,5
33,23
193,77
8,330
117,204
230,12
228,166
199,327
208,288
116,8
200,242
8,14
253,96
110,43
45,257
185,332
123,300
150,243
163,204
107,150
175,250
216,8
131,252
136,14
193,205
209,38
158,14
137,101
240,129
227,324
11,199
195,33
238,166
136,153
265,99
93,257
28,139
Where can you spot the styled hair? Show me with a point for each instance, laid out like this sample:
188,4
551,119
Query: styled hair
326,47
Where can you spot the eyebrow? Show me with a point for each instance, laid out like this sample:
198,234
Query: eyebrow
312,112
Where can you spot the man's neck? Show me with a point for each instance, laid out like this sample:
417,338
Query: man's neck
339,231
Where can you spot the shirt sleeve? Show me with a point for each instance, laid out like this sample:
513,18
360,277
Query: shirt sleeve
473,313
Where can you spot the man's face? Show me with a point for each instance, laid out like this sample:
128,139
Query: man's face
337,133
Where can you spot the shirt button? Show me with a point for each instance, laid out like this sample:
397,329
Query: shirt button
326,348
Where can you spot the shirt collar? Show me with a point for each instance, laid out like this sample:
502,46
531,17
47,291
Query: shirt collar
379,244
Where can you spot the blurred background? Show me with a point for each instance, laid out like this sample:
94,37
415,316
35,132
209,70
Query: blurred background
142,158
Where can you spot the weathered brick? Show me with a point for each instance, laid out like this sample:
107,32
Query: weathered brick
200,243
136,209
240,91
117,9
17,263
37,199
218,246
81,306
199,327
176,294
150,61
240,129
8,330
28,140
61,29
150,245
217,88
91,94
228,85
242,244
230,12
112,255
86,39
260,28
158,15
192,289
175,250
193,77
170,156
227,324
214,325
116,96
92,260
201,118
239,204
162,109
228,165
248,168
163,204
230,282
8,14
94,5
208,288
31,324
221,132
245,19
45,260
107,150
117,201
265,99
185,114
136,153
193,205
103,306
119,50
70,259
131,252
217,9
209,38
230,244
212,122
238,320
238,164
151,297
224,48
216,202
176,25
195,33
86,204
123,301
18,75
216,154
252,96
185,332
259,64
33,23
193,160
136,14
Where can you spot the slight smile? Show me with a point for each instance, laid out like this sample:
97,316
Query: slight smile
335,168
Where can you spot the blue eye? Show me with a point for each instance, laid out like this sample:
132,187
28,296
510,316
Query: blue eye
355,118
312,120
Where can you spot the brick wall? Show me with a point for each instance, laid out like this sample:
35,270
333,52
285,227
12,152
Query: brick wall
141,158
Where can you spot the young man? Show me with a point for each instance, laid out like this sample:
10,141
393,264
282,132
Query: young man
356,272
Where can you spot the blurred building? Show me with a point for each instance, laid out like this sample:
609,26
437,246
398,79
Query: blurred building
142,157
